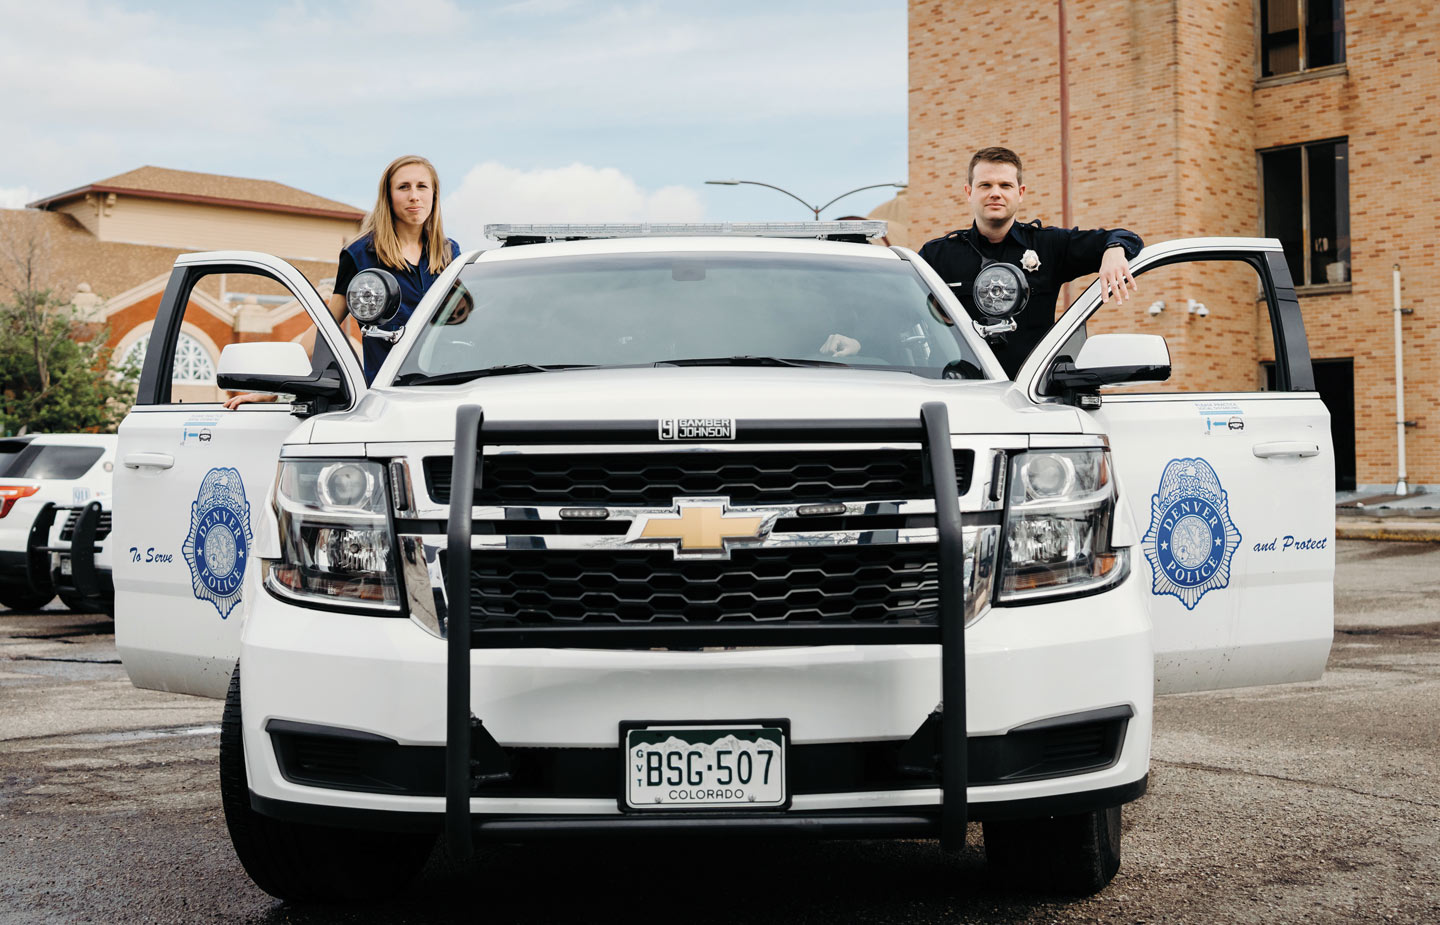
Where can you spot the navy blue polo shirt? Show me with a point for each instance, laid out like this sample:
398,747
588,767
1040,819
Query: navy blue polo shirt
1064,254
414,282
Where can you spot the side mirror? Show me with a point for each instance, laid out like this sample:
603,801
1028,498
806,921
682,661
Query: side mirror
1114,359
263,359
274,367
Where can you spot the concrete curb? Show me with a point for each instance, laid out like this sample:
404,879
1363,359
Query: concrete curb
1387,528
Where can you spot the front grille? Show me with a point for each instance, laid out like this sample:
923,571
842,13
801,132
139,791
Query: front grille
102,530
839,584
657,479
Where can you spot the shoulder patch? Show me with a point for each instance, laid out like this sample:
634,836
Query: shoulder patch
1191,539
218,545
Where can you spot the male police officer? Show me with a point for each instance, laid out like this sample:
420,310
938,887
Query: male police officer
1050,257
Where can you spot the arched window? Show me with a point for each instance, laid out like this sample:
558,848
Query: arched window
193,365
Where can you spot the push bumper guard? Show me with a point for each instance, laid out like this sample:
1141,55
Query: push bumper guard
37,552
932,429
85,579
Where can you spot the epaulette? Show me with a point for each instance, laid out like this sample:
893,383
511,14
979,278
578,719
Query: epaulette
957,234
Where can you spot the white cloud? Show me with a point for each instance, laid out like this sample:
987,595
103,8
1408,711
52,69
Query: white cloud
15,197
492,192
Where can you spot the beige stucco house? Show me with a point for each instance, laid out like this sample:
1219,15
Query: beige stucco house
108,246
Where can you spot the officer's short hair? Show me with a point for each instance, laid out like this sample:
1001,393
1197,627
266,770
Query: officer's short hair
996,156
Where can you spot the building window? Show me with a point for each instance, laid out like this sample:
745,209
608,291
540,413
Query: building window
1306,201
1300,35
193,365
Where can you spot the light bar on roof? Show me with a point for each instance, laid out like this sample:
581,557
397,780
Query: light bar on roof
564,232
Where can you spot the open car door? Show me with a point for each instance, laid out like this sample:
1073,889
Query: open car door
1231,488
193,476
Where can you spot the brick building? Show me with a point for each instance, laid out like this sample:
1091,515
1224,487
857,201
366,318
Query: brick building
1306,120
108,247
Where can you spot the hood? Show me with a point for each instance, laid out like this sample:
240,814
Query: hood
424,413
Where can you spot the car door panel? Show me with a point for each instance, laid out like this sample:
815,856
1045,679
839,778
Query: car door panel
1230,494
189,491
1258,607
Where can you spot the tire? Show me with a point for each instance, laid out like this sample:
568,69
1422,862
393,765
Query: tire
23,597
88,605
308,863
1072,855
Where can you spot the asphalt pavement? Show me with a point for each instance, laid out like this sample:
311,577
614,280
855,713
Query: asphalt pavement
1314,802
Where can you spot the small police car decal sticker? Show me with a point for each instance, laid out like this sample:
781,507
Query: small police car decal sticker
1191,537
219,542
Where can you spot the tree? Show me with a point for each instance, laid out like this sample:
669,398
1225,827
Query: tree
55,369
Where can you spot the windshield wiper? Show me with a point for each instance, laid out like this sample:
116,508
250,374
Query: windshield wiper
465,375
747,361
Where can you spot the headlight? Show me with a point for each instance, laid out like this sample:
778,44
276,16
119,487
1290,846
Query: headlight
1057,525
335,537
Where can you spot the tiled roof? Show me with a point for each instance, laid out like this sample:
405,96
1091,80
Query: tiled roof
163,183
70,255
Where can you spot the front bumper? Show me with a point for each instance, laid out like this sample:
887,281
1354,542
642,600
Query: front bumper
386,678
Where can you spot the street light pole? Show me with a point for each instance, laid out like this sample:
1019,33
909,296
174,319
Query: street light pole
815,209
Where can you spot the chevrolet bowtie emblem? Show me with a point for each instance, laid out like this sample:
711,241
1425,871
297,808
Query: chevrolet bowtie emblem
701,527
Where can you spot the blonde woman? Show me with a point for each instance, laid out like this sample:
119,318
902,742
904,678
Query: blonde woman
402,234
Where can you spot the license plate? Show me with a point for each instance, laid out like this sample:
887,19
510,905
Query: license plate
731,766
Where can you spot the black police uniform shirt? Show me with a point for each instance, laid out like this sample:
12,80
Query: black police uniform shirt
414,281
1064,253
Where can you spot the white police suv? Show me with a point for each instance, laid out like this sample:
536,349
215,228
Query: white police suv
615,544
54,519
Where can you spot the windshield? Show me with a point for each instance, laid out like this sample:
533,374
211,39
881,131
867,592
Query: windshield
641,309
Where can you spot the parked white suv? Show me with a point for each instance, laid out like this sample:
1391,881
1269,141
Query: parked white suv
609,546
46,486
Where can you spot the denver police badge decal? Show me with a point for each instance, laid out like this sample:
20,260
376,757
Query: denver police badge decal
1191,539
219,541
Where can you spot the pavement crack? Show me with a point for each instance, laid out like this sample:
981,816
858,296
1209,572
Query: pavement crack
56,658
1197,766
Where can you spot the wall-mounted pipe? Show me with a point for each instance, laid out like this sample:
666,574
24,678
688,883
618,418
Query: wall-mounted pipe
1402,485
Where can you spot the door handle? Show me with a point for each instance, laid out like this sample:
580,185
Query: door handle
149,461
1286,448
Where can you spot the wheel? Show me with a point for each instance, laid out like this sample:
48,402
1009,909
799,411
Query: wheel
1075,855
23,597
308,863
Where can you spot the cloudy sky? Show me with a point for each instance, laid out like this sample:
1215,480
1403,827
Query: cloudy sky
532,110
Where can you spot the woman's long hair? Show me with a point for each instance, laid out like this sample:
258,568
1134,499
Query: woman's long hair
381,221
